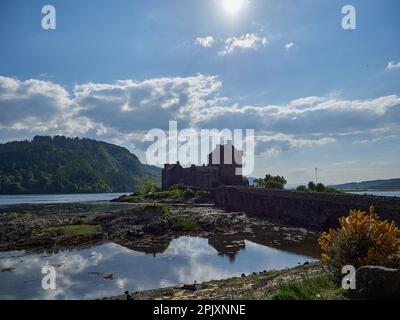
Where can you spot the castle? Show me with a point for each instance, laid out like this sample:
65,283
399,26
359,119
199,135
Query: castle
224,168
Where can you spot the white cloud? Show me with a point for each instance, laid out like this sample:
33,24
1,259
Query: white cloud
307,101
320,116
272,145
122,112
205,42
393,65
129,106
39,107
270,152
247,41
31,99
288,46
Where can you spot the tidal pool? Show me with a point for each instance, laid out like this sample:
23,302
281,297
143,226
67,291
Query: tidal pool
109,269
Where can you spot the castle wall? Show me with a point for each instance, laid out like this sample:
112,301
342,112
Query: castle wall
207,177
318,211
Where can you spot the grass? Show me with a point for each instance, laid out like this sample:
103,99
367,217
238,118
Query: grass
76,230
180,221
177,194
165,208
318,288
20,210
15,216
154,196
183,223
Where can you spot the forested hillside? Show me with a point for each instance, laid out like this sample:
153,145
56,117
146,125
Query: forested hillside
69,165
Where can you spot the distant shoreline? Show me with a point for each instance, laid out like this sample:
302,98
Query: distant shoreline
130,192
61,194
369,190
21,199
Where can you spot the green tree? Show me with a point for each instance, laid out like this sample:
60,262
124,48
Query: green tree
271,182
149,187
64,165
312,186
320,187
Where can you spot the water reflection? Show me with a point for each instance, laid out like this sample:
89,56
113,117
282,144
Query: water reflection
294,240
185,260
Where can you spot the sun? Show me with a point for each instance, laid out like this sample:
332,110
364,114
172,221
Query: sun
233,6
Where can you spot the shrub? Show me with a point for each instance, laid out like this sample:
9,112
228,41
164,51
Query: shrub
363,239
175,187
311,186
149,187
187,194
77,230
202,194
271,182
320,187
331,190
182,223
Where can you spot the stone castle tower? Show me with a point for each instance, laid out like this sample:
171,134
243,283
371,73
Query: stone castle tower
224,168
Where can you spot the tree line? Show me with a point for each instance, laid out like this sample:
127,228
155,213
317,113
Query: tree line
69,165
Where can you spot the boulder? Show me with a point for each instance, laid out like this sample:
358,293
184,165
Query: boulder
189,287
374,282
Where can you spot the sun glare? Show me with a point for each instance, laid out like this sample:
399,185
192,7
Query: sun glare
233,6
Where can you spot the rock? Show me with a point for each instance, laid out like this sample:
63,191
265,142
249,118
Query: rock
109,276
189,287
374,282
103,275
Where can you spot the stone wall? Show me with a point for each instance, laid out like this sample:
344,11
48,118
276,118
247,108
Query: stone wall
318,211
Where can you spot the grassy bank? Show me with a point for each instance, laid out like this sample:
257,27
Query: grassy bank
179,195
319,288
76,230
305,282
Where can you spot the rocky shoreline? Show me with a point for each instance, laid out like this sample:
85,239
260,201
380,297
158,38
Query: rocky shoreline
143,227
255,286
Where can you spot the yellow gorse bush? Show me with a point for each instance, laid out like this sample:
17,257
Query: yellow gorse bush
380,238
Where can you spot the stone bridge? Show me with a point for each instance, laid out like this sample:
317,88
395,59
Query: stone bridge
317,211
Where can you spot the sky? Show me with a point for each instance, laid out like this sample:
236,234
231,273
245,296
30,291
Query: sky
316,95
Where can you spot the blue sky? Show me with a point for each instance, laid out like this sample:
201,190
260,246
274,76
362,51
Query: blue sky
316,94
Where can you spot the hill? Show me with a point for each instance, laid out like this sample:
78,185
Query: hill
390,184
53,165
